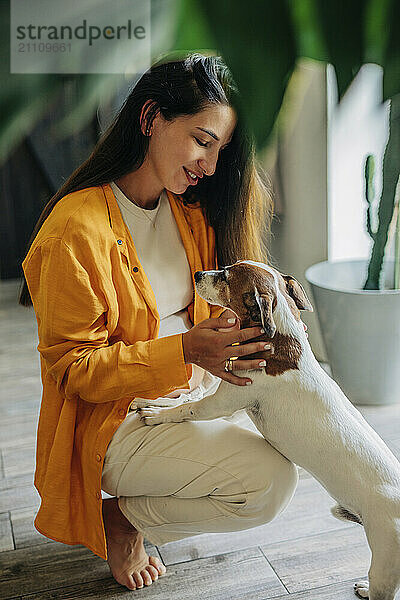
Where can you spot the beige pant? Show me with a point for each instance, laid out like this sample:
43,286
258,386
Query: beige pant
178,480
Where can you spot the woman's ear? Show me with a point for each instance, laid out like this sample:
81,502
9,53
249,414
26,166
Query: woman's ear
147,114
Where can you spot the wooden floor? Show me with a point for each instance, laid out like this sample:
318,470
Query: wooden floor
305,553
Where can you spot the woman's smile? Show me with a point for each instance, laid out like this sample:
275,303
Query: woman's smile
190,176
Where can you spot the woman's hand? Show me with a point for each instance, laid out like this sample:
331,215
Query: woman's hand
209,344
228,313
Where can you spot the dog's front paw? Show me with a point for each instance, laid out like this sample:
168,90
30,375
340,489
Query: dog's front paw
154,416
361,588
159,402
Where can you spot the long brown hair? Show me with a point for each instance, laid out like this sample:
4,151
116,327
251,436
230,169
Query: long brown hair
236,199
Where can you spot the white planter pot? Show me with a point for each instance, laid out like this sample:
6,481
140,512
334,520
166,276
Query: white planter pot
360,329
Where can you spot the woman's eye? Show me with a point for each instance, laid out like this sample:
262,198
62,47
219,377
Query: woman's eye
200,143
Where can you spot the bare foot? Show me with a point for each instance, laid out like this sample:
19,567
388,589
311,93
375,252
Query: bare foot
127,559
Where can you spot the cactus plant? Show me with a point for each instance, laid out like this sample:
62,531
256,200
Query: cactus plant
369,172
387,203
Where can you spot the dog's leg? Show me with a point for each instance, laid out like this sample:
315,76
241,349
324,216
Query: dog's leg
220,404
159,402
384,573
361,589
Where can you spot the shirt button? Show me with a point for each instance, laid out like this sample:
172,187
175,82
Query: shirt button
98,495
135,269
98,457
121,412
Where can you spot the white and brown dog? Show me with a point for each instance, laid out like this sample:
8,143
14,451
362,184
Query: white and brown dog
304,414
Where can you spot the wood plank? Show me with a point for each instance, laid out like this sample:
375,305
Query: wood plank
6,534
25,533
329,557
12,369
19,459
237,575
8,483
17,431
12,497
51,566
20,402
336,591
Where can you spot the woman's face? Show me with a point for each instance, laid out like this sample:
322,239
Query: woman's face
189,144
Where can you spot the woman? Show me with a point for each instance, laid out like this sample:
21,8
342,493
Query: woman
170,188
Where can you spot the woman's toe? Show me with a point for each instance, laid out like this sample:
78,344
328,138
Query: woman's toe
156,562
147,580
153,572
130,584
138,579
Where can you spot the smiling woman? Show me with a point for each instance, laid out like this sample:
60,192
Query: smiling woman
181,152
171,188
236,199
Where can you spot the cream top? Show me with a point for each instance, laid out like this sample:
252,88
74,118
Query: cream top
161,252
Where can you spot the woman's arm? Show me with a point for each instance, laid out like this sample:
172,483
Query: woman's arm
72,313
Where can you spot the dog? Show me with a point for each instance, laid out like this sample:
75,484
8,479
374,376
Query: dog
303,413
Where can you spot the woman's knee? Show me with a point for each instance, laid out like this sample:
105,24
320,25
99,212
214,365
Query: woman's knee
286,484
272,493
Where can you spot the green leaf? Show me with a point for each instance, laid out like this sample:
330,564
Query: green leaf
257,43
192,28
391,66
377,28
342,24
309,39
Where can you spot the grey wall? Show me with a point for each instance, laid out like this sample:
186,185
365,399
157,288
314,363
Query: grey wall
297,163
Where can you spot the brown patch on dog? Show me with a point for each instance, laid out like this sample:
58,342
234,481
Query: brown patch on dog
291,303
257,277
243,280
287,352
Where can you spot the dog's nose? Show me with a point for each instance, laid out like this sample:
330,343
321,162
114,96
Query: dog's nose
197,276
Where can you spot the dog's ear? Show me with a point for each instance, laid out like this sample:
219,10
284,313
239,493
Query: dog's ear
296,291
265,304
260,309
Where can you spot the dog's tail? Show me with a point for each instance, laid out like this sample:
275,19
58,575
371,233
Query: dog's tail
345,515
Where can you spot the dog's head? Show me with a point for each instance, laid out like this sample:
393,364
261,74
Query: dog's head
252,290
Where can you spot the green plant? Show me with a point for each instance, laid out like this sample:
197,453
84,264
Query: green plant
369,172
260,40
388,202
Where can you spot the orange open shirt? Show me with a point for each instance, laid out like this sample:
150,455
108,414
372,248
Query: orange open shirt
98,326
